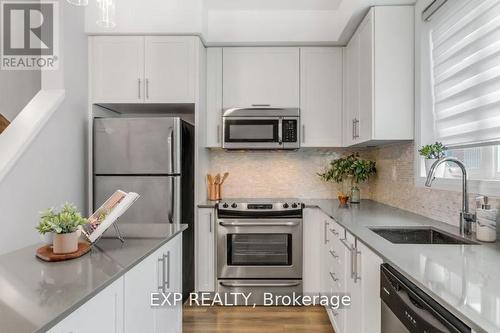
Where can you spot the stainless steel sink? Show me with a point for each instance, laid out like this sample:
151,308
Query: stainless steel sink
420,235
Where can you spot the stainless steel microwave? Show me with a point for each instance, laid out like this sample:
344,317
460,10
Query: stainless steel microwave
261,128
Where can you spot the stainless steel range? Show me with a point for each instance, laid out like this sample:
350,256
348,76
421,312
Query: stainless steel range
259,247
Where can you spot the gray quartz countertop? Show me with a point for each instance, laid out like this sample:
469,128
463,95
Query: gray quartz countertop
207,204
36,295
463,278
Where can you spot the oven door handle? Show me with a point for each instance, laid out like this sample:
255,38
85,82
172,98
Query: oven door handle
245,285
258,224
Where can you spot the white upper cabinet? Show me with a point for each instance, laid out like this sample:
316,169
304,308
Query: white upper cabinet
261,77
351,90
138,69
379,78
363,129
117,69
214,97
321,96
170,69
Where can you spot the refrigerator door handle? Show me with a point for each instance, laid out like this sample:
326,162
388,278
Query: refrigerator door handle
172,201
170,149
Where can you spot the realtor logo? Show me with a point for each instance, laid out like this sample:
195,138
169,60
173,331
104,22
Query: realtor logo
29,35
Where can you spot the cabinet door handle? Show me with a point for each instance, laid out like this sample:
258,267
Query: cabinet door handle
218,134
334,277
335,232
210,224
139,88
344,241
303,133
333,254
355,128
326,237
161,269
147,88
356,276
166,262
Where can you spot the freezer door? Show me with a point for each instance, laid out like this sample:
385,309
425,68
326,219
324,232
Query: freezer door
156,204
136,146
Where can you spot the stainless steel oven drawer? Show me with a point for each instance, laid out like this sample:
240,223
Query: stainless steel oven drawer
260,288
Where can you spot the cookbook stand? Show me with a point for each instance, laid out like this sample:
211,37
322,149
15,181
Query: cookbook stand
118,235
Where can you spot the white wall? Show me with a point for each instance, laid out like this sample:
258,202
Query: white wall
241,22
150,16
51,171
22,84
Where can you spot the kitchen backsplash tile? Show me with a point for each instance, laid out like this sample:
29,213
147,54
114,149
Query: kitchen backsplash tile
279,174
394,185
276,174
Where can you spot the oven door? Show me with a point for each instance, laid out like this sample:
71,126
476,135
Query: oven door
252,133
259,248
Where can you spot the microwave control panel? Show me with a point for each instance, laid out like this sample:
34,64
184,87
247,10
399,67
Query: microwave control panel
289,130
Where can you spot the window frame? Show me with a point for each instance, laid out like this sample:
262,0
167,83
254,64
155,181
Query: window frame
424,124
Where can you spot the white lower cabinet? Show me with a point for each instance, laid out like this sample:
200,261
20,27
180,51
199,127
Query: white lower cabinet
160,272
103,313
345,266
205,250
125,305
311,259
168,319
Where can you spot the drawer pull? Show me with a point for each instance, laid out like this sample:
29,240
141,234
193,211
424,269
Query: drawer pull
334,277
333,254
335,232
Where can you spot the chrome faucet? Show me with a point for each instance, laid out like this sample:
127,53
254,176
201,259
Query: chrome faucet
466,218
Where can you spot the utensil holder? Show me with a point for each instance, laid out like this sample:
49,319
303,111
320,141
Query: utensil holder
214,192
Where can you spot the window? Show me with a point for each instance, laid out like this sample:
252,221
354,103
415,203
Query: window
483,163
460,84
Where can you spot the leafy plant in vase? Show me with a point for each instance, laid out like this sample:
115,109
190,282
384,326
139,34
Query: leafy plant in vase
361,170
65,227
348,171
431,154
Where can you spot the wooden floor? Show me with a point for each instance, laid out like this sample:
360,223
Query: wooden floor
259,319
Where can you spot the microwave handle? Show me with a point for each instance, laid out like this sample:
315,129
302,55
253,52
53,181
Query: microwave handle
280,131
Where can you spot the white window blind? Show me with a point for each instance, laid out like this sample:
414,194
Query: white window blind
465,47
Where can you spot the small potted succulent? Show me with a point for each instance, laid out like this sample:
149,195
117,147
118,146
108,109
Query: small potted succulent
431,154
65,226
348,172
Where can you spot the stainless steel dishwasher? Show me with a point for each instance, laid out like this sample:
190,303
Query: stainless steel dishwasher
406,308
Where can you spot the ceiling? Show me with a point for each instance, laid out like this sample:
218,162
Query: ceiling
273,4
262,22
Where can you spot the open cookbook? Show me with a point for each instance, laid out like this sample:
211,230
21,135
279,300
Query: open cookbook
108,213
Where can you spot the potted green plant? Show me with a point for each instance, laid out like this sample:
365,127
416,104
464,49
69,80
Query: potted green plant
65,226
348,171
45,230
431,154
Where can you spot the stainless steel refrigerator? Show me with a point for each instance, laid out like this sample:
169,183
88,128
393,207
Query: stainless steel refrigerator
153,156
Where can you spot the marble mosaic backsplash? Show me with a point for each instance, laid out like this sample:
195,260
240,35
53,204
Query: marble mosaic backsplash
293,174
394,186
276,174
